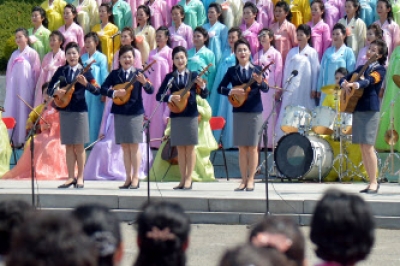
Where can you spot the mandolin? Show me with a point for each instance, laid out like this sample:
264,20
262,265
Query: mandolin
239,100
348,101
64,100
178,106
128,87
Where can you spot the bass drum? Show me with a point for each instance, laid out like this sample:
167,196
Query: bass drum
297,156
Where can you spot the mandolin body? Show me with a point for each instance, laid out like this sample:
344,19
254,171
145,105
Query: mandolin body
124,86
63,101
178,107
348,101
239,100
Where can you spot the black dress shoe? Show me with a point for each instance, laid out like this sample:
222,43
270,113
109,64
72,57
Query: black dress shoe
67,185
135,187
240,188
187,188
80,186
125,186
178,187
370,191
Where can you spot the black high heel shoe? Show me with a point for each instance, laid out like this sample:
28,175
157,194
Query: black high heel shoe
79,185
125,186
67,185
178,187
240,188
250,188
137,186
371,191
188,188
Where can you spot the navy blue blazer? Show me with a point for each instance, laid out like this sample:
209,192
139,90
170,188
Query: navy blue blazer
372,84
78,103
191,108
135,104
253,103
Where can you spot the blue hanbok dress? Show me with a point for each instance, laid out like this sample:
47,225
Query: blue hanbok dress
368,11
218,34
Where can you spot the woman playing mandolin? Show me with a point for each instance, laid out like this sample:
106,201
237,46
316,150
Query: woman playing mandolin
127,83
184,115
247,82
70,99
366,114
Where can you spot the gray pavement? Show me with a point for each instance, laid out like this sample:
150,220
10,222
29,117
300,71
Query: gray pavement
208,243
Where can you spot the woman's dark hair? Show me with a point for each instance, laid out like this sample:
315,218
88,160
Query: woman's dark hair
285,6
25,33
146,9
287,227
73,10
95,38
270,33
102,228
342,28
321,6
235,29
42,12
383,50
51,239
342,228
342,70
166,32
133,36
356,4
250,255
218,8
126,48
252,7
307,31
71,45
13,214
176,50
181,10
109,11
203,32
60,37
390,16
377,30
44,87
163,234
239,42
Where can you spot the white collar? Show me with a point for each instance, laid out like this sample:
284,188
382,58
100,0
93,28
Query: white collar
128,71
182,73
247,66
74,68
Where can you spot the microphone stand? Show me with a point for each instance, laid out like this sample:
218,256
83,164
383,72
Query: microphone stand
146,127
113,40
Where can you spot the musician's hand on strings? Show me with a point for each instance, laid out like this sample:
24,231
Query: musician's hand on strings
59,92
237,91
141,78
120,93
200,82
258,78
82,80
175,98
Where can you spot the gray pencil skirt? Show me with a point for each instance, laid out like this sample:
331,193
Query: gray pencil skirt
246,127
365,127
184,131
128,128
74,127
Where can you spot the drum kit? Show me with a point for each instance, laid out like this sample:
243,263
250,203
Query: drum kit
303,153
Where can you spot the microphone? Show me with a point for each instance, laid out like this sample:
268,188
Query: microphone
170,82
292,75
115,35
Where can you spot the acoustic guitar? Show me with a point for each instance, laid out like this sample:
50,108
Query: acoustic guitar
128,87
64,100
178,106
239,100
348,101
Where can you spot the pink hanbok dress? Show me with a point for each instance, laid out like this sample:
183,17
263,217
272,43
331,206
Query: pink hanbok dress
160,14
285,37
73,34
137,63
274,77
320,37
362,56
332,13
251,35
23,70
50,64
134,4
161,68
391,34
183,36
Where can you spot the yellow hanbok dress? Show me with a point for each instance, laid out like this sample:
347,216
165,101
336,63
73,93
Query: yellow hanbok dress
54,13
108,43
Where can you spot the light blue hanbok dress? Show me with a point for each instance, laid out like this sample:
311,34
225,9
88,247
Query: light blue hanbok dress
198,61
220,103
368,11
218,34
331,61
95,106
195,14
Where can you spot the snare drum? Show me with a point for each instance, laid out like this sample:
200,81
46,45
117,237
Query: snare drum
323,120
298,156
295,117
346,123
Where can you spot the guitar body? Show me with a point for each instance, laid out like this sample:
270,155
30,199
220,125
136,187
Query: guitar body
124,86
178,107
348,101
63,101
239,100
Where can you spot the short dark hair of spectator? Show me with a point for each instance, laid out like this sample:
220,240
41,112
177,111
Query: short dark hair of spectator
286,230
342,70
13,214
163,235
50,239
383,50
342,228
102,227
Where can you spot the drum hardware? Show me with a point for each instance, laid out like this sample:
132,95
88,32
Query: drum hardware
296,119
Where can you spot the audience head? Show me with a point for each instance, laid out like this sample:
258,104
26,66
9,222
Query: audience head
13,214
128,37
339,35
39,17
22,37
179,58
163,235
282,11
200,37
234,34
215,12
105,12
102,228
70,14
266,35
342,228
304,34
56,40
281,233
341,72
177,14
162,37
352,7
318,8
384,10
374,32
51,240
143,15
378,47
250,12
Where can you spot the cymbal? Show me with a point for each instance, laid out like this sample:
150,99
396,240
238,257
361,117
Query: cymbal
391,137
396,80
331,89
